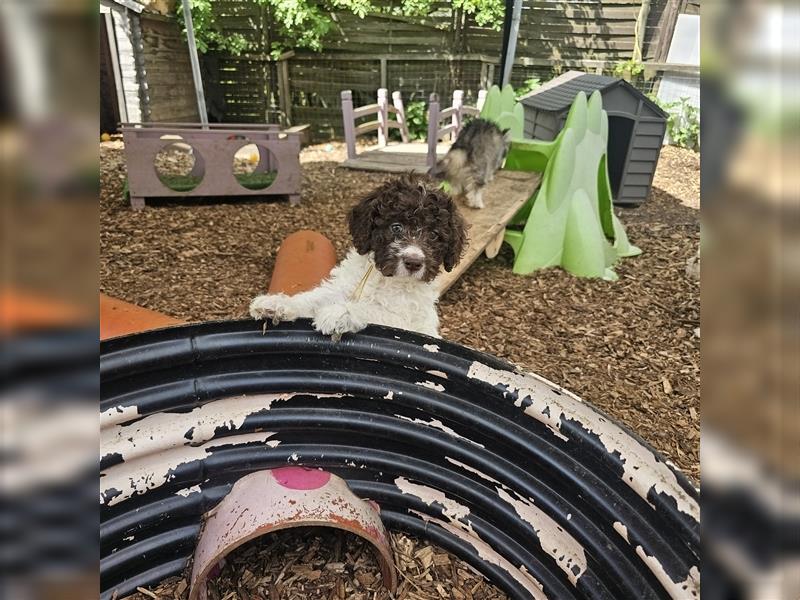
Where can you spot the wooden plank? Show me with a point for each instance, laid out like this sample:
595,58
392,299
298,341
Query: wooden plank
314,112
385,158
395,158
365,111
344,63
366,165
307,85
593,12
367,127
333,79
503,198
429,56
378,38
402,161
530,29
571,42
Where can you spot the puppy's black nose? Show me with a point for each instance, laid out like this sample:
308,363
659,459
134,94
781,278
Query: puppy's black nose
412,264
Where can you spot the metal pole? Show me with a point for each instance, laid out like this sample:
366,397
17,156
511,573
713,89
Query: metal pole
198,80
508,59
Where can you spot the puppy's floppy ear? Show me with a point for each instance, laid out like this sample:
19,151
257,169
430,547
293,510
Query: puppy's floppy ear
457,235
361,220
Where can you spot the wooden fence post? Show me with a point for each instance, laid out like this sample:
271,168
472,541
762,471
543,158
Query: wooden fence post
458,102
349,123
397,100
285,91
481,99
639,31
383,117
433,129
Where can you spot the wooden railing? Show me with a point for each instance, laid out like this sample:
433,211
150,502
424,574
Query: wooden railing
382,124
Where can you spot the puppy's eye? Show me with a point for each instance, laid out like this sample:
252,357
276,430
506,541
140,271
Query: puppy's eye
396,228
433,235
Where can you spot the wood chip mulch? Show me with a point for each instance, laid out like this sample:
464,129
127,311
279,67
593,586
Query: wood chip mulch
672,163
326,564
630,347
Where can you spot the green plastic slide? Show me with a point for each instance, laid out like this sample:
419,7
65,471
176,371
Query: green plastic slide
570,221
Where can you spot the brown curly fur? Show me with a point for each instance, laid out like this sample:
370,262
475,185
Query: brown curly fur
429,217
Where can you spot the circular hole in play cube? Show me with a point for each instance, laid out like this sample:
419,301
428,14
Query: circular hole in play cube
254,167
179,166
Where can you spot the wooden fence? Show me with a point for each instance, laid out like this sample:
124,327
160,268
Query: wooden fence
169,94
437,53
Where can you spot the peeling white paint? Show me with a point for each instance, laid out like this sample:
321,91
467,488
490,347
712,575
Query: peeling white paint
678,590
472,470
556,542
195,489
149,472
491,556
452,509
642,471
430,384
731,467
164,431
294,457
389,395
437,424
569,516
622,530
441,374
431,347
118,414
533,579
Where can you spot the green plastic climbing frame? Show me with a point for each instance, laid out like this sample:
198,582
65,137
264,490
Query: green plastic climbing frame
502,108
570,221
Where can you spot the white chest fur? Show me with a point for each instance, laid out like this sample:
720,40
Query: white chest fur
348,302
394,301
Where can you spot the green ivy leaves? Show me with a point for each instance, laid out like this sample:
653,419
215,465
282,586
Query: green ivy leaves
305,23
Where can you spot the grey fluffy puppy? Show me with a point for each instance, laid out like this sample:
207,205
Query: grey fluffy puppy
474,158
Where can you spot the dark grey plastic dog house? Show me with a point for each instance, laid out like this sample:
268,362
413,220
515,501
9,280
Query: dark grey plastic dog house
636,127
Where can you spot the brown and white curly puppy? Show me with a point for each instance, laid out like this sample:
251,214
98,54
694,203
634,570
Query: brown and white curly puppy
404,232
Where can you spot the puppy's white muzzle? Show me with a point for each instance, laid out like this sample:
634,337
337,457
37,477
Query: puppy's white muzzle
410,262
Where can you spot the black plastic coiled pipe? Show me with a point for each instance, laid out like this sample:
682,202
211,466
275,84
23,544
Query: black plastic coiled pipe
540,492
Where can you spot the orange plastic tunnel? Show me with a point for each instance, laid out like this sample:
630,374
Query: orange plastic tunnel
304,259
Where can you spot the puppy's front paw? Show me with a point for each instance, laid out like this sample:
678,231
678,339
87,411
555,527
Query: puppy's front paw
474,201
334,320
269,307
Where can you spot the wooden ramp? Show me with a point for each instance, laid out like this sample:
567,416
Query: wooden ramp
502,198
395,158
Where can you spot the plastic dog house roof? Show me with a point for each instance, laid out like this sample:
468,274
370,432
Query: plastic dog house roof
560,93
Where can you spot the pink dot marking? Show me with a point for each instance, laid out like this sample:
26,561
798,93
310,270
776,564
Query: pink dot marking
301,478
